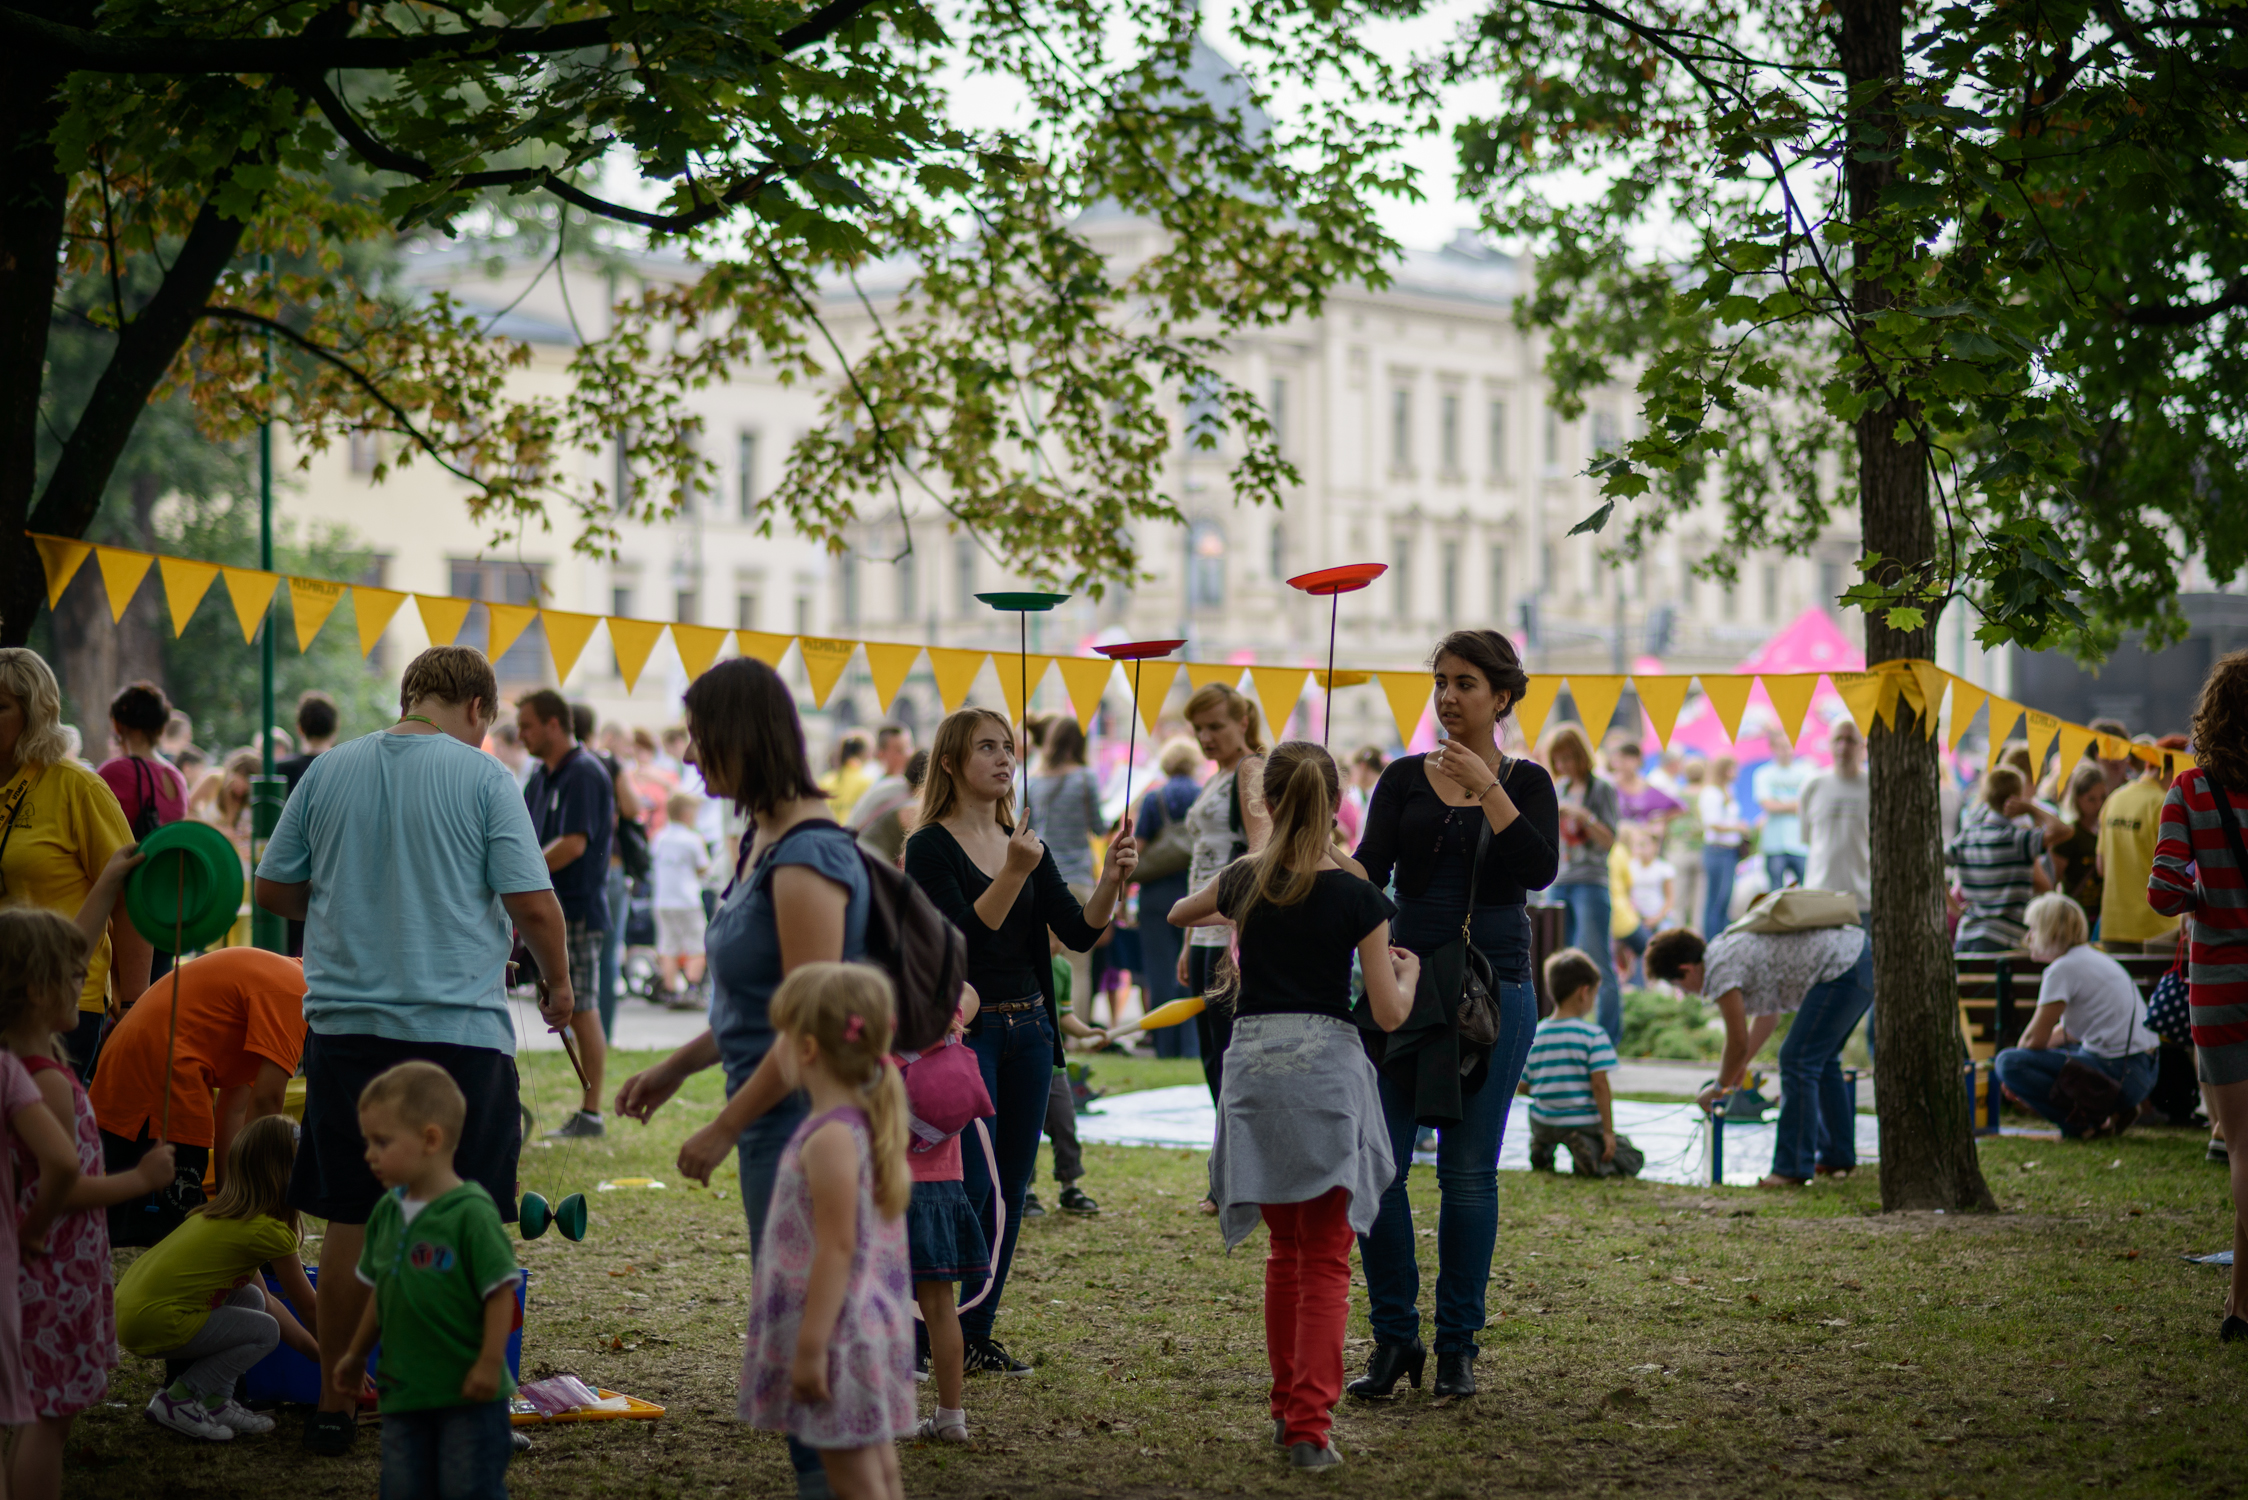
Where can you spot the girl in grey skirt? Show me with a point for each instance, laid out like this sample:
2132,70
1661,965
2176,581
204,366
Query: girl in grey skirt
1301,1144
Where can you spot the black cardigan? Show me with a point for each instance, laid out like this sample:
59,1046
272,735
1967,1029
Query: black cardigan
1006,963
1405,816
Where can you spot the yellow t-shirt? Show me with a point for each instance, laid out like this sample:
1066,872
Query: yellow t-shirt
168,1294
1623,917
67,824
2130,827
844,789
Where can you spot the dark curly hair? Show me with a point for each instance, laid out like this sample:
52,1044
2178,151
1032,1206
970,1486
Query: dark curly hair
2220,722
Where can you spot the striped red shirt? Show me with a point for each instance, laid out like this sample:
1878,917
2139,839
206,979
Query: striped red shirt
2195,876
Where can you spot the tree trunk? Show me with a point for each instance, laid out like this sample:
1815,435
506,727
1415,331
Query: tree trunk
95,657
1928,1157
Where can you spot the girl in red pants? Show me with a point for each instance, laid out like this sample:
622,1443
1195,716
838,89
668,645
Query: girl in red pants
1300,1140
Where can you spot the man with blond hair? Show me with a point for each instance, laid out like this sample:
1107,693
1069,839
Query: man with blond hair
409,856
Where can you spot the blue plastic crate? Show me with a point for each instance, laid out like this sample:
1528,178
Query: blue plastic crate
285,1375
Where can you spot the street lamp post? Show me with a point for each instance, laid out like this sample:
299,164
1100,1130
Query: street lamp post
267,791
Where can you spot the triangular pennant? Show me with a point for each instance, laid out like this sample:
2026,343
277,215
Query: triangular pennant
1342,678
506,626
1931,679
1019,675
1728,698
1966,701
698,647
185,584
251,591
371,608
2073,740
1597,695
121,575
887,663
2114,747
1279,690
442,616
955,672
2042,730
2150,754
566,635
1790,693
765,646
1086,680
631,641
1153,680
2004,715
1200,674
1662,698
1531,708
1861,694
1892,693
61,556
824,661
311,601
1408,694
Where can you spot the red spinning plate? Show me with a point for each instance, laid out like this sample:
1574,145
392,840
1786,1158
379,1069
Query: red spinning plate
1347,579
1138,650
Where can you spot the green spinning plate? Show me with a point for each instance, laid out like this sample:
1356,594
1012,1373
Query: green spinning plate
191,877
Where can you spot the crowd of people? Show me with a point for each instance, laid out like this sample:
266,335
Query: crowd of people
1368,924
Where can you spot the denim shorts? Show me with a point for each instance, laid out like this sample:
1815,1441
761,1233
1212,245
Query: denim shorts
946,1238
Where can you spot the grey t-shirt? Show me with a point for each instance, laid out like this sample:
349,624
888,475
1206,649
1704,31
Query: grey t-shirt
1066,811
1775,970
1835,827
1584,862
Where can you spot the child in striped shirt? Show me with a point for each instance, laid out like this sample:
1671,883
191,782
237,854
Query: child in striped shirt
1570,1058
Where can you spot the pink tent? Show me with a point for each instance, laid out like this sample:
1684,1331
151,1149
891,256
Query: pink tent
1812,642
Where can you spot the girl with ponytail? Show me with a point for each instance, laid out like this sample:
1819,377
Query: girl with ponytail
1301,1143
829,1358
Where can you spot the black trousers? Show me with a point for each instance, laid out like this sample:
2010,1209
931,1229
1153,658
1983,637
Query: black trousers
1214,1028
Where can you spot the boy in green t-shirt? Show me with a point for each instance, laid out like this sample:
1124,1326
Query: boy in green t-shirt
443,1273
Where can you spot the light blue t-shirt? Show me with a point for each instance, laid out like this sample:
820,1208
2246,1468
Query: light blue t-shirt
1783,832
409,841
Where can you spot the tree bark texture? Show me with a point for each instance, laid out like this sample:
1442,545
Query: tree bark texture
1928,1155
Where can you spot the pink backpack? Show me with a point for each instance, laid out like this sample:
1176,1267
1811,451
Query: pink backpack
944,1092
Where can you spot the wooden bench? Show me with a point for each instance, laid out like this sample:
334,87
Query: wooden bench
1997,997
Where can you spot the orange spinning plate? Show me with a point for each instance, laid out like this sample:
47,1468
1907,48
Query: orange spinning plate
1347,579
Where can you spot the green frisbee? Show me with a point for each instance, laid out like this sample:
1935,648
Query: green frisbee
188,891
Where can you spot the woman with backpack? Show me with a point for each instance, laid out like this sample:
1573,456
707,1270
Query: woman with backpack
1166,856
1228,820
149,788
800,896
998,883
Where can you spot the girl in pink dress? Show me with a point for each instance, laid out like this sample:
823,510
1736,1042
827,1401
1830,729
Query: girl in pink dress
829,1358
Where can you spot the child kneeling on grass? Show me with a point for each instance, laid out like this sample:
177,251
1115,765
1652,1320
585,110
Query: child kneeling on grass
1570,1058
444,1303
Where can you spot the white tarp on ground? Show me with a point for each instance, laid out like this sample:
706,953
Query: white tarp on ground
1674,1136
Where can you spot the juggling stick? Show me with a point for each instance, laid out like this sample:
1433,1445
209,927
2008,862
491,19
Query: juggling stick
1333,583
536,1215
1172,1014
172,1041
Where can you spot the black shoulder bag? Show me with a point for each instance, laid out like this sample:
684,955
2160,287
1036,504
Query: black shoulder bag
1477,1016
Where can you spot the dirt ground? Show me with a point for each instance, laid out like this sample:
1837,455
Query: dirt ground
1643,1339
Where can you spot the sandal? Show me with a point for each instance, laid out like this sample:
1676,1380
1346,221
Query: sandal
1206,1206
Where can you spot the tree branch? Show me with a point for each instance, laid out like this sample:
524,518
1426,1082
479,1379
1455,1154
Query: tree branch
2188,314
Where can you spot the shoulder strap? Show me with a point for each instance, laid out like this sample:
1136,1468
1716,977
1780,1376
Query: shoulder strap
2228,818
1482,847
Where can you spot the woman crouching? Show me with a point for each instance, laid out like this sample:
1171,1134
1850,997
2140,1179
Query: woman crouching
1300,1142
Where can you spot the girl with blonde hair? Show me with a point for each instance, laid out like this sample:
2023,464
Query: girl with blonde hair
1228,820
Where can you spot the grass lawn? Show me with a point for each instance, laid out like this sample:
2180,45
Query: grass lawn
1644,1339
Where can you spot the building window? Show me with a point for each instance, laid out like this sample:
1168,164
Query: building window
1603,433
1448,431
686,607
747,615
1495,437
964,570
1400,429
1685,584
1204,431
1552,440
1830,587
803,614
1498,588
1277,540
1595,574
1771,593
745,477
1205,561
847,589
366,451
909,586
1449,577
620,600
1547,572
1731,606
1401,580
1277,411
502,583
621,475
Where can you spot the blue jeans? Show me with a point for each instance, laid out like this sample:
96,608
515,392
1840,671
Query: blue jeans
1817,1126
1719,865
447,1453
757,1158
1159,963
1590,912
612,955
1016,1052
2029,1075
1777,868
1467,1215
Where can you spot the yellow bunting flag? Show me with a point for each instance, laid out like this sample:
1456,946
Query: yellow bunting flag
251,591
824,661
1279,690
371,608
698,647
1966,701
2073,740
1930,679
1200,674
955,672
442,616
505,626
1018,675
2042,729
765,646
1531,708
185,584
121,575
1662,698
1086,680
2114,747
1790,693
311,601
632,641
1596,695
566,635
1343,679
1893,688
1728,698
61,556
1861,694
2005,714
887,663
1152,683
1408,694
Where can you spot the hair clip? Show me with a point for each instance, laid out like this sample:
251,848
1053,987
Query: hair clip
854,1028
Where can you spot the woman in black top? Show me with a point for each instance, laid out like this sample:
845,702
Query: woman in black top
998,883
1426,819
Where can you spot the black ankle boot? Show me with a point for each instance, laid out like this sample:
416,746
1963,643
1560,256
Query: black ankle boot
1455,1372
1389,1362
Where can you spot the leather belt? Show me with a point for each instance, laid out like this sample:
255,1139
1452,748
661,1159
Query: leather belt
1010,1007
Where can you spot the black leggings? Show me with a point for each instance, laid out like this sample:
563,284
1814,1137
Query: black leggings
1214,1027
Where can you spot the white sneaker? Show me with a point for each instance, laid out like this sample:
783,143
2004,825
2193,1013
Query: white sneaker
930,1432
236,1417
190,1417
